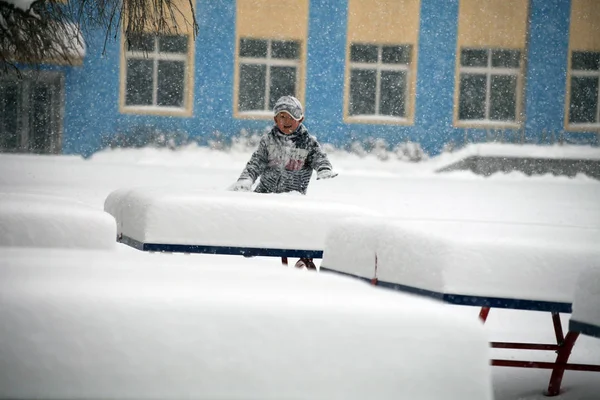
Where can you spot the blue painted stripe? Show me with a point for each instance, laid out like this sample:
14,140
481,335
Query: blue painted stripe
469,300
584,328
226,250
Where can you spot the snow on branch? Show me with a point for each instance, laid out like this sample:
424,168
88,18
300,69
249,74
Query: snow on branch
33,32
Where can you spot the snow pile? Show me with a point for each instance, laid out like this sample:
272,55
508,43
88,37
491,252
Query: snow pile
507,150
139,325
211,218
34,220
586,306
513,261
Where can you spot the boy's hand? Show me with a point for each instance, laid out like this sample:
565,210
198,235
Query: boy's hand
243,185
326,174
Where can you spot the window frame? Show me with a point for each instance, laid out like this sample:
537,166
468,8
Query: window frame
268,61
155,55
379,67
581,126
489,71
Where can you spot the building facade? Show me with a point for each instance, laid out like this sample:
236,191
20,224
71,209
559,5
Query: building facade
434,72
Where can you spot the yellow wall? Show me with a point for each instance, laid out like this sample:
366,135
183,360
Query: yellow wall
180,22
384,22
272,19
493,23
585,25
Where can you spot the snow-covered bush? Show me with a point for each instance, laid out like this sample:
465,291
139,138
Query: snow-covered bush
378,147
410,151
246,141
146,136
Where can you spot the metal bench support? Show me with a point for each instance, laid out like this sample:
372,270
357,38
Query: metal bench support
563,347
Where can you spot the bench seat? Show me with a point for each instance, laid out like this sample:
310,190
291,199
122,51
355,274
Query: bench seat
197,221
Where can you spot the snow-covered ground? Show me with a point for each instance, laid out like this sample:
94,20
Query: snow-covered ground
392,188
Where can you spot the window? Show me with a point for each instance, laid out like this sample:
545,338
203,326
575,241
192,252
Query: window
268,69
379,80
488,86
584,104
31,112
157,72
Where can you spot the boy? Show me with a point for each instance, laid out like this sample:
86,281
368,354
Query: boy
286,156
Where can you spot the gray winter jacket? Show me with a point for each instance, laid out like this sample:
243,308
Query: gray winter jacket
285,163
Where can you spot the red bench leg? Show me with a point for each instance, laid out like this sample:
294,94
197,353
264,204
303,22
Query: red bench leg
483,314
561,360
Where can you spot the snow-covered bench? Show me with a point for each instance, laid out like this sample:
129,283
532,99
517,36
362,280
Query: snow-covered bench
100,324
35,220
489,265
283,225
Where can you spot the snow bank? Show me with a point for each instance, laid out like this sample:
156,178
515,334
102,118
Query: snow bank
514,261
96,324
508,150
34,220
210,218
586,306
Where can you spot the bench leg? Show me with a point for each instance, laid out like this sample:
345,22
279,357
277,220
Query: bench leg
561,360
483,314
284,261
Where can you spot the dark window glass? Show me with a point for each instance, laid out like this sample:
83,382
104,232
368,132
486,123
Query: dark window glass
506,58
503,98
173,44
141,43
363,53
139,82
252,87
584,100
286,50
171,77
40,124
473,58
362,91
9,105
283,83
472,96
253,48
585,60
396,54
393,89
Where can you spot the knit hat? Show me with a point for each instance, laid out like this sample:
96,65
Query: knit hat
290,105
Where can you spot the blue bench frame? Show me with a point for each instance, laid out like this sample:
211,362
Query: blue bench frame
584,328
469,300
226,250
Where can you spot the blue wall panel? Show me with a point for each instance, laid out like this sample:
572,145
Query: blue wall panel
91,97
435,76
547,73
325,71
92,91
547,66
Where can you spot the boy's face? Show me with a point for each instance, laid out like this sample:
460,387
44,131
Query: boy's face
286,123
